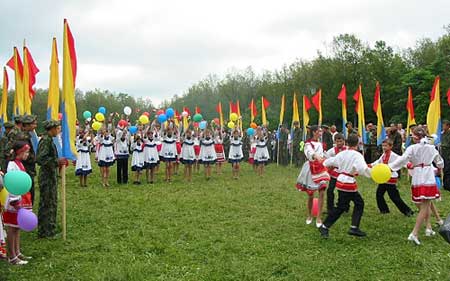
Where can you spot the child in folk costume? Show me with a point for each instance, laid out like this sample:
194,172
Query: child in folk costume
151,156
314,176
235,156
105,155
262,156
207,153
122,153
176,164
197,150
3,252
137,158
13,204
168,152
423,183
349,163
83,165
251,154
391,186
188,157
340,146
218,147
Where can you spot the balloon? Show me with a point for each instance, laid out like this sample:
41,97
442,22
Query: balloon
231,125
146,114
159,112
234,117
89,119
198,117
60,116
253,125
123,123
162,118
315,207
96,126
127,110
17,182
195,124
133,129
100,117
184,114
87,114
250,131
438,182
381,173
217,121
202,125
143,119
3,196
170,112
102,110
26,220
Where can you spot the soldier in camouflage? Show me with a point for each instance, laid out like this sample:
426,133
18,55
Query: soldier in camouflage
283,150
445,153
12,135
4,146
296,139
47,159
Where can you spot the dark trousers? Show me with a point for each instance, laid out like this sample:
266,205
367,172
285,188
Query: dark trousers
122,170
395,197
330,195
32,190
446,172
343,204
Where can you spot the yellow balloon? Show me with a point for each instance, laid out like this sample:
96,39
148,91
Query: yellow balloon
3,196
144,119
381,173
231,125
234,117
96,125
99,117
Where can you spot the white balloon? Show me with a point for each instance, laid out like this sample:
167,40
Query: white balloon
184,114
127,110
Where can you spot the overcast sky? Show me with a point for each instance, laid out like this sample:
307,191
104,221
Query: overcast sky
156,49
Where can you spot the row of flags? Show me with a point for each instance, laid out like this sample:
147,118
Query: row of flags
24,79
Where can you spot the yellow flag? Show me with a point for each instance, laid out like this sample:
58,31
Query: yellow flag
4,105
282,109
295,116
53,88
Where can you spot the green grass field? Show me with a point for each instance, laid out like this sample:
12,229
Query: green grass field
223,229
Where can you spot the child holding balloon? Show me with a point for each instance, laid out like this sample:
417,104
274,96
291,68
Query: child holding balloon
235,155
262,153
197,150
207,153
168,152
188,157
137,158
151,157
13,204
122,152
106,156
218,147
83,164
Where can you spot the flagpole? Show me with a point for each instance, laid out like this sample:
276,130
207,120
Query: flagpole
63,202
278,146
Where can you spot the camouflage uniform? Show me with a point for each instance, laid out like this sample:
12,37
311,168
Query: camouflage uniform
445,153
226,144
47,158
283,151
245,147
4,147
296,139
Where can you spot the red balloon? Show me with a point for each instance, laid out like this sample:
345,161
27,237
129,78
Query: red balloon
315,207
195,124
146,114
217,121
123,123
159,112
60,116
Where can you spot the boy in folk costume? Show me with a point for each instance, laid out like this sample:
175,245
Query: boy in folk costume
332,152
424,189
314,176
349,163
391,186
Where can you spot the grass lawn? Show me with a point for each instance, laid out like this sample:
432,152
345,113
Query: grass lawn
223,229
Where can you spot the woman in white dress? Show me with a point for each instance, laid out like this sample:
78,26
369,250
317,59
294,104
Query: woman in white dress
262,153
105,154
151,156
168,152
207,152
137,158
188,157
83,165
235,155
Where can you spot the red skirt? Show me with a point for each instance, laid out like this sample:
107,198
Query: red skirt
424,192
10,217
219,152
197,150
310,192
158,147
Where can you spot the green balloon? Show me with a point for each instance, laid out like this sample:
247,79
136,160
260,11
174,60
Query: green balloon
198,117
17,182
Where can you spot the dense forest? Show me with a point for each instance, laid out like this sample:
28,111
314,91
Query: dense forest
348,60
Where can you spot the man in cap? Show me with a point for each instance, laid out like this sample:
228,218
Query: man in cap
4,146
297,135
47,158
327,137
28,135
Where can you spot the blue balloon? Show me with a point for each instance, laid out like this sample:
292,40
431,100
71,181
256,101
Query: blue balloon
250,131
438,181
162,118
102,110
202,125
170,112
133,129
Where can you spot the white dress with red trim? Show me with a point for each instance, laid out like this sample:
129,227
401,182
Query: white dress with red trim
218,147
12,201
313,175
349,163
423,183
251,155
387,158
332,171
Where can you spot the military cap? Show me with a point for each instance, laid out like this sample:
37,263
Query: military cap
18,119
325,127
28,119
8,125
48,124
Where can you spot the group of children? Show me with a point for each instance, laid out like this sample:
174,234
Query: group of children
151,145
338,167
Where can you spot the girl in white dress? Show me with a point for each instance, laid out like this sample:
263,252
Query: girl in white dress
207,152
137,158
188,154
151,156
83,165
197,150
262,153
220,153
168,152
235,155
105,155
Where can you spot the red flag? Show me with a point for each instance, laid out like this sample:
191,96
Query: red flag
197,110
343,95
233,107
266,103
33,70
187,110
219,108
307,103
356,98
448,96
11,65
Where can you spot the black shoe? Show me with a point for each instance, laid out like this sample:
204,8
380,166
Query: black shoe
356,232
323,232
